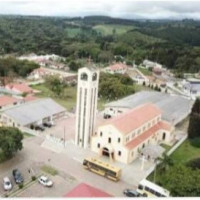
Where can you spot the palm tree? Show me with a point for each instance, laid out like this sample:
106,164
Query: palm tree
165,162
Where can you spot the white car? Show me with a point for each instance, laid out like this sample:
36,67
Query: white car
45,181
7,184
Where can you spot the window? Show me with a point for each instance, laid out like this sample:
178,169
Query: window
119,153
101,134
109,140
98,145
127,139
119,140
94,77
84,76
140,187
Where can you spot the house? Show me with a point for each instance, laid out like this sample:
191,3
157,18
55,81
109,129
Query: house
119,68
123,137
191,87
42,72
32,113
19,88
85,190
8,101
149,64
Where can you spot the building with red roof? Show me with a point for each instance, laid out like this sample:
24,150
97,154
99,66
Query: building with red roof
123,137
85,190
19,88
8,101
119,68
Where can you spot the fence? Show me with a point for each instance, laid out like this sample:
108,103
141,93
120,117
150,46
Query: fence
168,153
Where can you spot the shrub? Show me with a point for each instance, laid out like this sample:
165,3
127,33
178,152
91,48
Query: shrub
194,164
21,185
33,178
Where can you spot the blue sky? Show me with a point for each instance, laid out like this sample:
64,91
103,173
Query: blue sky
115,8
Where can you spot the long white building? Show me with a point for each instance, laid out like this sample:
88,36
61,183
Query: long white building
87,94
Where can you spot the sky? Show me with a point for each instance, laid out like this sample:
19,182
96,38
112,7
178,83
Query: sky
131,9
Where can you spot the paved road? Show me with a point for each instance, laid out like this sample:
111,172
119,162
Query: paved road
33,154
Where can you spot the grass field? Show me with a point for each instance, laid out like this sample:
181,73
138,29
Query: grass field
69,99
189,150
146,72
72,32
108,29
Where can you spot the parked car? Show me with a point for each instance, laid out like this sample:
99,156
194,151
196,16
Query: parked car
47,124
17,176
39,127
131,193
7,185
45,181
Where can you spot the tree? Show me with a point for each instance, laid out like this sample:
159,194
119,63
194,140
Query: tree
166,162
194,127
10,142
196,106
181,181
55,84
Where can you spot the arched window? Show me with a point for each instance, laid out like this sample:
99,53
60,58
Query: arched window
84,76
94,77
164,136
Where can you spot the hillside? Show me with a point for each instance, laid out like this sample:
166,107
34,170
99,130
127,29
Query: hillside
175,44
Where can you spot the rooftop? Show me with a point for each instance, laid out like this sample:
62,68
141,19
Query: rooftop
134,118
141,138
34,111
20,87
85,190
117,66
7,100
174,107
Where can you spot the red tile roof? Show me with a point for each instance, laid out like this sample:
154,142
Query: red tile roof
84,190
134,118
7,100
30,98
23,88
118,66
147,134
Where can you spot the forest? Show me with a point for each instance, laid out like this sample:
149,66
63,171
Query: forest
175,44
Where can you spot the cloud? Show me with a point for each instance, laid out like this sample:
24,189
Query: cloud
114,8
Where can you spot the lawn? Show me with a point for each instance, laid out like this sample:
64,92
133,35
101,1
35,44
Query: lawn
189,150
108,29
69,99
49,170
72,32
145,71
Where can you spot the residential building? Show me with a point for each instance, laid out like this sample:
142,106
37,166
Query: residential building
86,110
149,64
118,68
32,113
8,101
19,88
123,137
42,72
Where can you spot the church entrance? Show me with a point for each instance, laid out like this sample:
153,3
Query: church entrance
105,152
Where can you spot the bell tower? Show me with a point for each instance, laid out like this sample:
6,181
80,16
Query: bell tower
86,107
